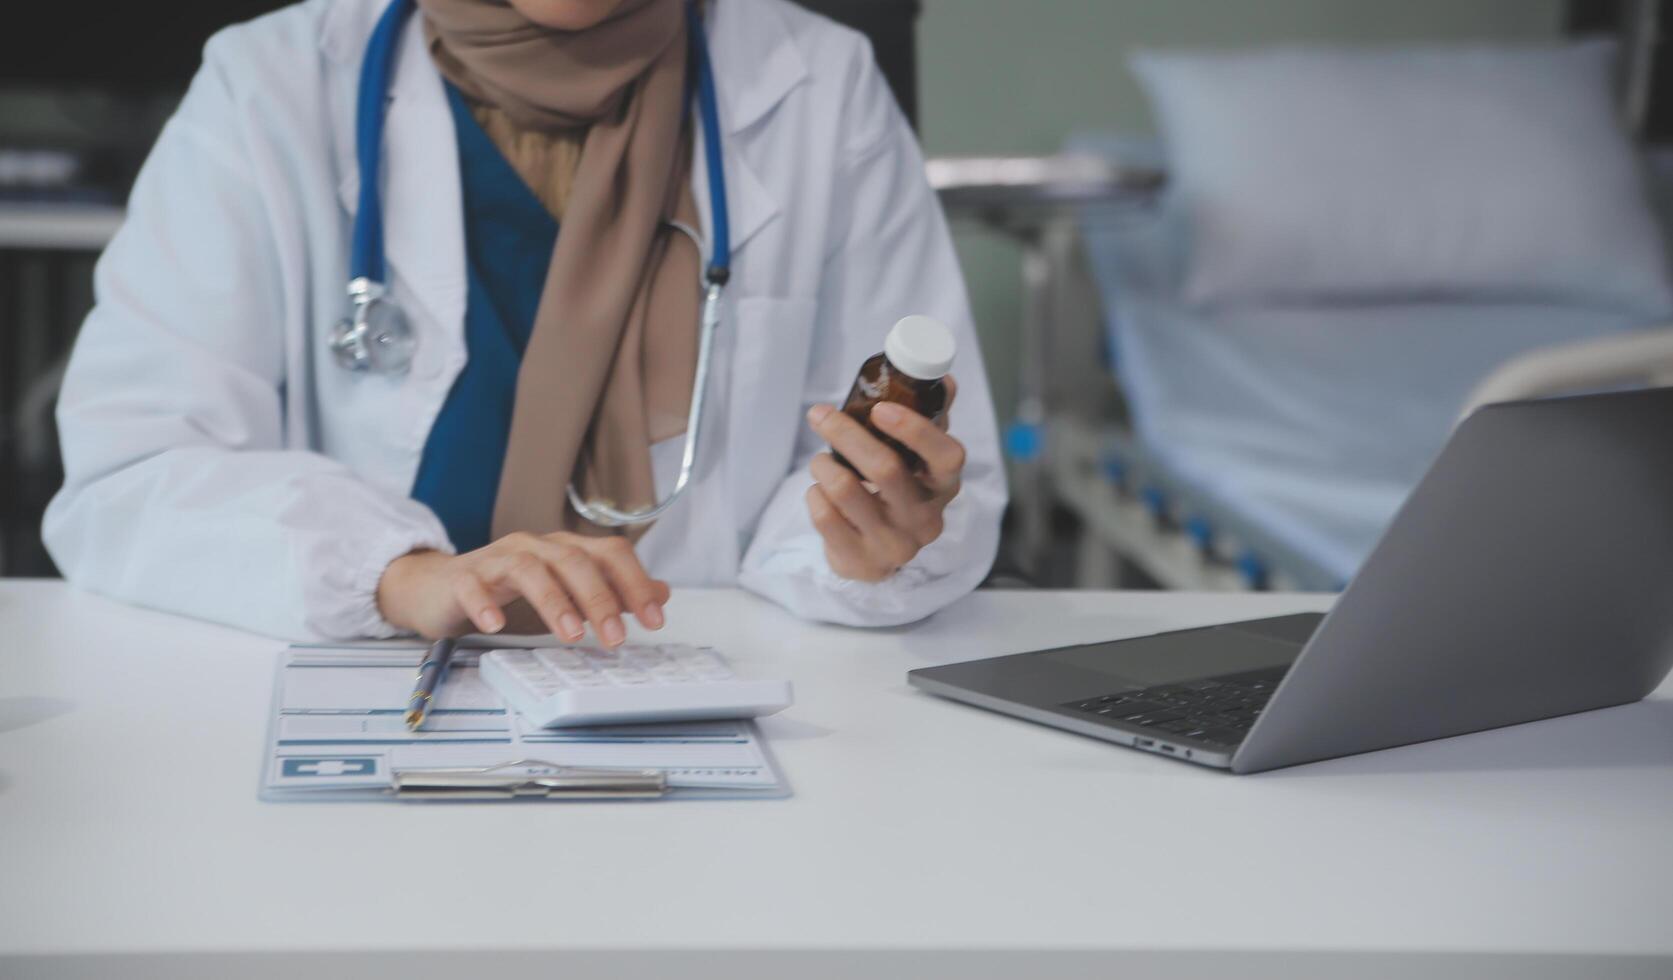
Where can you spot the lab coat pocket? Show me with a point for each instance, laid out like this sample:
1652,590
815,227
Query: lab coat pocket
769,367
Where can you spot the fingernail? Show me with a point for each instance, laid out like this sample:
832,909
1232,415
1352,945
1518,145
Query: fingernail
612,632
493,621
651,615
888,413
819,413
572,626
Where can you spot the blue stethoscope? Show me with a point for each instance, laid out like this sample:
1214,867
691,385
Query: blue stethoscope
375,336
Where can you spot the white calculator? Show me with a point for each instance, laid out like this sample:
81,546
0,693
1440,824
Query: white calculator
554,687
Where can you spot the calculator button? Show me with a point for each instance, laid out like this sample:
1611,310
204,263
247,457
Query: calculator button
636,683
558,658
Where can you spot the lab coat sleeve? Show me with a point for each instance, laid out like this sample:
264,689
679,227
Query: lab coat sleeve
889,255
180,491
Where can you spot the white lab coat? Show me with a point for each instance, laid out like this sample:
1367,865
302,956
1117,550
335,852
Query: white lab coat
220,464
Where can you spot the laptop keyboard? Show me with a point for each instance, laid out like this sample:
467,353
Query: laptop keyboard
1219,710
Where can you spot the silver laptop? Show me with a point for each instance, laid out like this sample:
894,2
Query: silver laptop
1529,574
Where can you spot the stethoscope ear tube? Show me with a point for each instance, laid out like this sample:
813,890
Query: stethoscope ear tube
604,515
715,277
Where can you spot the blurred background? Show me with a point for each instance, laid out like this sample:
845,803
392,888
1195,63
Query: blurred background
1216,362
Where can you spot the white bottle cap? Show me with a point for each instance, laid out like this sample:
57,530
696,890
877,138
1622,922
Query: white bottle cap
920,347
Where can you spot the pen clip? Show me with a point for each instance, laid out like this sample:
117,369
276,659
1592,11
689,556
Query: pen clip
491,783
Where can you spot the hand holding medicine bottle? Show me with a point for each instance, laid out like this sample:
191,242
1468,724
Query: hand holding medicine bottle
879,496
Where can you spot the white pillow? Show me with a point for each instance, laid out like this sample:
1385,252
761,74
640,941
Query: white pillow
1316,175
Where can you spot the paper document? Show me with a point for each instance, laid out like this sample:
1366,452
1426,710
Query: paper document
338,730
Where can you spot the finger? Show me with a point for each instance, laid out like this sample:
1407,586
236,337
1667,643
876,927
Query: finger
878,535
828,521
844,490
544,594
632,583
844,549
875,460
479,607
943,455
587,585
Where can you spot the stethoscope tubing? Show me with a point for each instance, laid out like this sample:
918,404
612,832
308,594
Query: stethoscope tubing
366,259
720,255
367,266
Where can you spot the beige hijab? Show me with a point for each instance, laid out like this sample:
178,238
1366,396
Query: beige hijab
608,369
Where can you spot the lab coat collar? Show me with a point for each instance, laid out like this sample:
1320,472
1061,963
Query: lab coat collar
758,38
756,64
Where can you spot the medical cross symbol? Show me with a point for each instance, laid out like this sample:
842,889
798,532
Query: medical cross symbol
328,767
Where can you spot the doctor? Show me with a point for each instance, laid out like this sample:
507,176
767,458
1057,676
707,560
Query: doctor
572,226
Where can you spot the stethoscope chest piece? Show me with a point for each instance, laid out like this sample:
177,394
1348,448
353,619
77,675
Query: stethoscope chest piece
375,337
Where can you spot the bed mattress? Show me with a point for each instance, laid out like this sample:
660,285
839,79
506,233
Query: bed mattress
1312,423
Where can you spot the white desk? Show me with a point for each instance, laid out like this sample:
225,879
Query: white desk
925,839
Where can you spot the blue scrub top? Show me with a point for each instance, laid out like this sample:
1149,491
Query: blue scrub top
509,237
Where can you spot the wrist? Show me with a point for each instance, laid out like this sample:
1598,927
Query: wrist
399,583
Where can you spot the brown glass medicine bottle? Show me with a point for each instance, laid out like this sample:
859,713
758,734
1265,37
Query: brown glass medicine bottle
917,354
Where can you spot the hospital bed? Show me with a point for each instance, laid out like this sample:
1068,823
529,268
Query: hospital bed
1268,448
